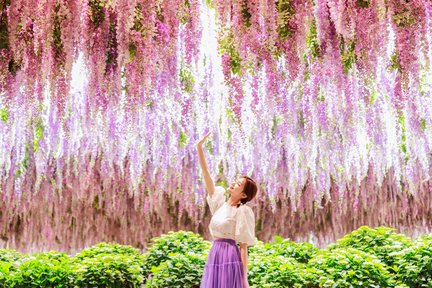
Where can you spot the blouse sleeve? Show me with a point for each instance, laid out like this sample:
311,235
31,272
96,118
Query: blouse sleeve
217,199
245,225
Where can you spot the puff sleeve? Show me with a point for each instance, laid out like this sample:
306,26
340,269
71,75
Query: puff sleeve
217,199
245,225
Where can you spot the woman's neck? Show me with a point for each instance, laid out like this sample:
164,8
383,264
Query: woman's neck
231,202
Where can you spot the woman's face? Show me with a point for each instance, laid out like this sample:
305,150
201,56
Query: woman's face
236,188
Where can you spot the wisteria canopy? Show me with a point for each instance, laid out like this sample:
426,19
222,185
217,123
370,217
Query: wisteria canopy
327,104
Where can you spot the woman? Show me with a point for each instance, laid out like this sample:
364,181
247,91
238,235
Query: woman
231,222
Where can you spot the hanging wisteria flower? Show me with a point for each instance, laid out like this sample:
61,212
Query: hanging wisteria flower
326,103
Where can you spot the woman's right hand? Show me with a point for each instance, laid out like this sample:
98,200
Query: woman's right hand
200,142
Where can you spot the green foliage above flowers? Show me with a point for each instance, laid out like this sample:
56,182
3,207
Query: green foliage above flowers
227,45
406,18
4,37
348,54
363,3
182,138
286,12
39,133
395,62
312,41
4,115
97,11
186,79
403,145
57,35
246,14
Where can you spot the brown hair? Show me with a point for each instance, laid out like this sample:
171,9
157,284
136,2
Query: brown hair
250,189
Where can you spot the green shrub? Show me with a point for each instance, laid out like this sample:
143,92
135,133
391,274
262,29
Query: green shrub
300,251
102,265
366,257
414,265
48,269
6,268
278,271
380,241
350,267
7,255
9,261
182,242
180,270
108,248
107,270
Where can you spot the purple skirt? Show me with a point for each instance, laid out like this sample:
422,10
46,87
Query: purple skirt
224,268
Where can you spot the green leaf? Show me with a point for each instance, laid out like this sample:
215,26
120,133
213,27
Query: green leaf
4,115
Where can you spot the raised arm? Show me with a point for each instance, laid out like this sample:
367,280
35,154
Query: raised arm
207,178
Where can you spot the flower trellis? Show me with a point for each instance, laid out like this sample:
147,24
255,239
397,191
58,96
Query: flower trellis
326,103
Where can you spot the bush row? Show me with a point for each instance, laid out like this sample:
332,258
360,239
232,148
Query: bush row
367,257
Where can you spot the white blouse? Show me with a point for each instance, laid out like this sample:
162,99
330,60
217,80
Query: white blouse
229,221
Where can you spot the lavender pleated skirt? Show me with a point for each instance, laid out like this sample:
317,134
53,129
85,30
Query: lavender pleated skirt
224,268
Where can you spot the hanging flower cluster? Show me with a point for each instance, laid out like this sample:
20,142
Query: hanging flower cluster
348,36
326,103
131,40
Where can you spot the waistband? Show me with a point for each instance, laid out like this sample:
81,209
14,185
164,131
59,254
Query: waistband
226,240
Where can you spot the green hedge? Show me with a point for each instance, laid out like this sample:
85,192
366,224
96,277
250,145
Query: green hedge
180,270
367,257
48,269
414,264
9,263
381,242
300,251
277,271
163,247
7,255
108,248
350,266
108,265
107,270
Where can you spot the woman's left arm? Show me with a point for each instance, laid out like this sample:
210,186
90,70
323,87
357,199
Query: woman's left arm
244,256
